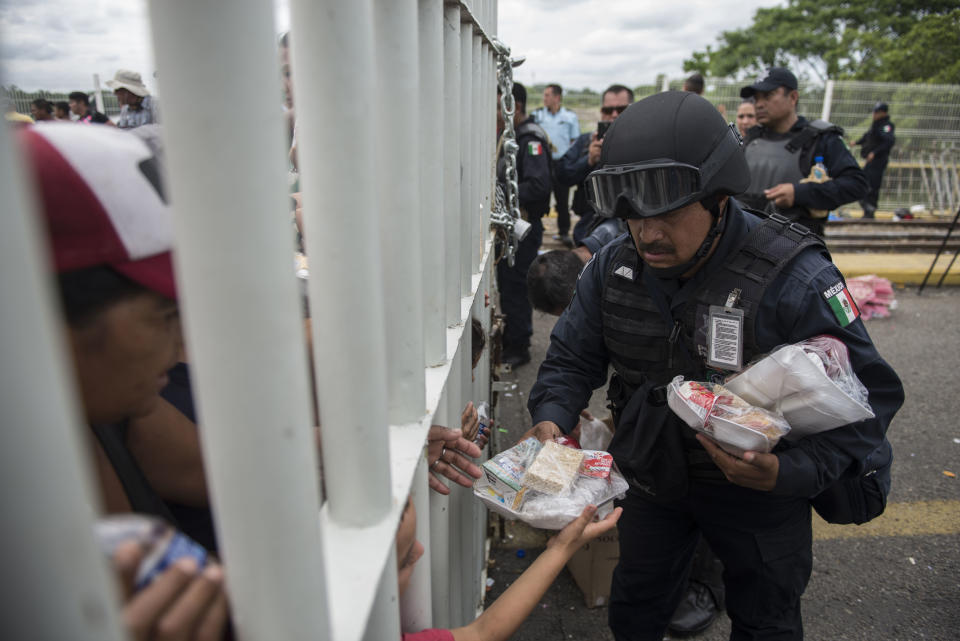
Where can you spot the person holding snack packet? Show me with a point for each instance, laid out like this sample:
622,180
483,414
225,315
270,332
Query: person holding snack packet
698,289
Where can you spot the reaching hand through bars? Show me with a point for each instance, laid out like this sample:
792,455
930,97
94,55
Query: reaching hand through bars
447,452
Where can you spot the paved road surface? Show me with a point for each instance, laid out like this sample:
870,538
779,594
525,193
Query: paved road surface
897,578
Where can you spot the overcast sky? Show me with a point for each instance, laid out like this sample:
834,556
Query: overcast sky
60,44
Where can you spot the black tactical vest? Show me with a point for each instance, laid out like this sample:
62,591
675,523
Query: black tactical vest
643,347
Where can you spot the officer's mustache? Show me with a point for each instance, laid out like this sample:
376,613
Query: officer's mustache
655,248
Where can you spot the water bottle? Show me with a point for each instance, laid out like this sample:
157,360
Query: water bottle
818,174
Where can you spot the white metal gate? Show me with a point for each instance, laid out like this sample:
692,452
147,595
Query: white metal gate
396,117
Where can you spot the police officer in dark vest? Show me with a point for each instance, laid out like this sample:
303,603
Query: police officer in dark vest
875,146
782,149
644,304
533,174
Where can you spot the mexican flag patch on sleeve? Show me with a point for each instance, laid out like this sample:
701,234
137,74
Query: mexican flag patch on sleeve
842,304
534,148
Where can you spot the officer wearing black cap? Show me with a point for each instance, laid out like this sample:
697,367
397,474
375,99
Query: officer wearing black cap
781,150
644,305
875,146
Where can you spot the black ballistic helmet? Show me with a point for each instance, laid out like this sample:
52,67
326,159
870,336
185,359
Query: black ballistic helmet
665,152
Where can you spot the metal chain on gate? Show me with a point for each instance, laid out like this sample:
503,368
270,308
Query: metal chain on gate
505,214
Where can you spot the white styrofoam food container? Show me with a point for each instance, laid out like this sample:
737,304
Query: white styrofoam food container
720,421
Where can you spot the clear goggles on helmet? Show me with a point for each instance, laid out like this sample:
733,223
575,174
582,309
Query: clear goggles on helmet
651,188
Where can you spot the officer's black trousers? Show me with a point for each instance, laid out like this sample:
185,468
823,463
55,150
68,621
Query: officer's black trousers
561,194
512,281
874,172
763,540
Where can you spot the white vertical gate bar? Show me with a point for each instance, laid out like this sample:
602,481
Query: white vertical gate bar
486,177
827,100
469,539
384,621
416,603
398,188
227,186
439,552
431,140
494,17
56,583
348,318
477,163
439,549
455,403
467,209
451,162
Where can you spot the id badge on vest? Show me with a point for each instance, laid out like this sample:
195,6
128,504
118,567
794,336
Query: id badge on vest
725,338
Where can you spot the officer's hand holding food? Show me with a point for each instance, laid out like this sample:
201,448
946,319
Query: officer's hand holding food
782,195
593,151
181,603
543,431
755,470
447,453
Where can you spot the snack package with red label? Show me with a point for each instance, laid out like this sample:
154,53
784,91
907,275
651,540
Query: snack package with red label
568,441
596,464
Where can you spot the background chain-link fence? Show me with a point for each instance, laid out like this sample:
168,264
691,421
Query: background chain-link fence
923,169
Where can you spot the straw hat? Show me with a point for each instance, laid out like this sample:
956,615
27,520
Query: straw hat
129,80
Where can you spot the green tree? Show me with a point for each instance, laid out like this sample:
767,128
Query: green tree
931,52
841,38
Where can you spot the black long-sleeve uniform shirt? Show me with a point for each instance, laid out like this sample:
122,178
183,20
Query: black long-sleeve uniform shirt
795,307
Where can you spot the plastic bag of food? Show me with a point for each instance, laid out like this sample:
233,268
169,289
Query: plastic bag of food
594,434
735,424
595,480
811,383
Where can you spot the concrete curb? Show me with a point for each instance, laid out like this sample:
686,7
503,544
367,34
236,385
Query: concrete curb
900,269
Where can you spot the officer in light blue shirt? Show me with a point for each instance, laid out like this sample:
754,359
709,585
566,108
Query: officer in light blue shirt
563,128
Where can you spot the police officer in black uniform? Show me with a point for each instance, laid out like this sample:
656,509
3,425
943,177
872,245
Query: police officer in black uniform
643,305
533,174
875,146
584,154
781,150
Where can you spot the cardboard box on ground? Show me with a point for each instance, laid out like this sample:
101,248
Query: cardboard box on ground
592,568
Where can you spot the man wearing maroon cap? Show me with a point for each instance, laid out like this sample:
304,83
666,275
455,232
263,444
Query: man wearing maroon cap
110,237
